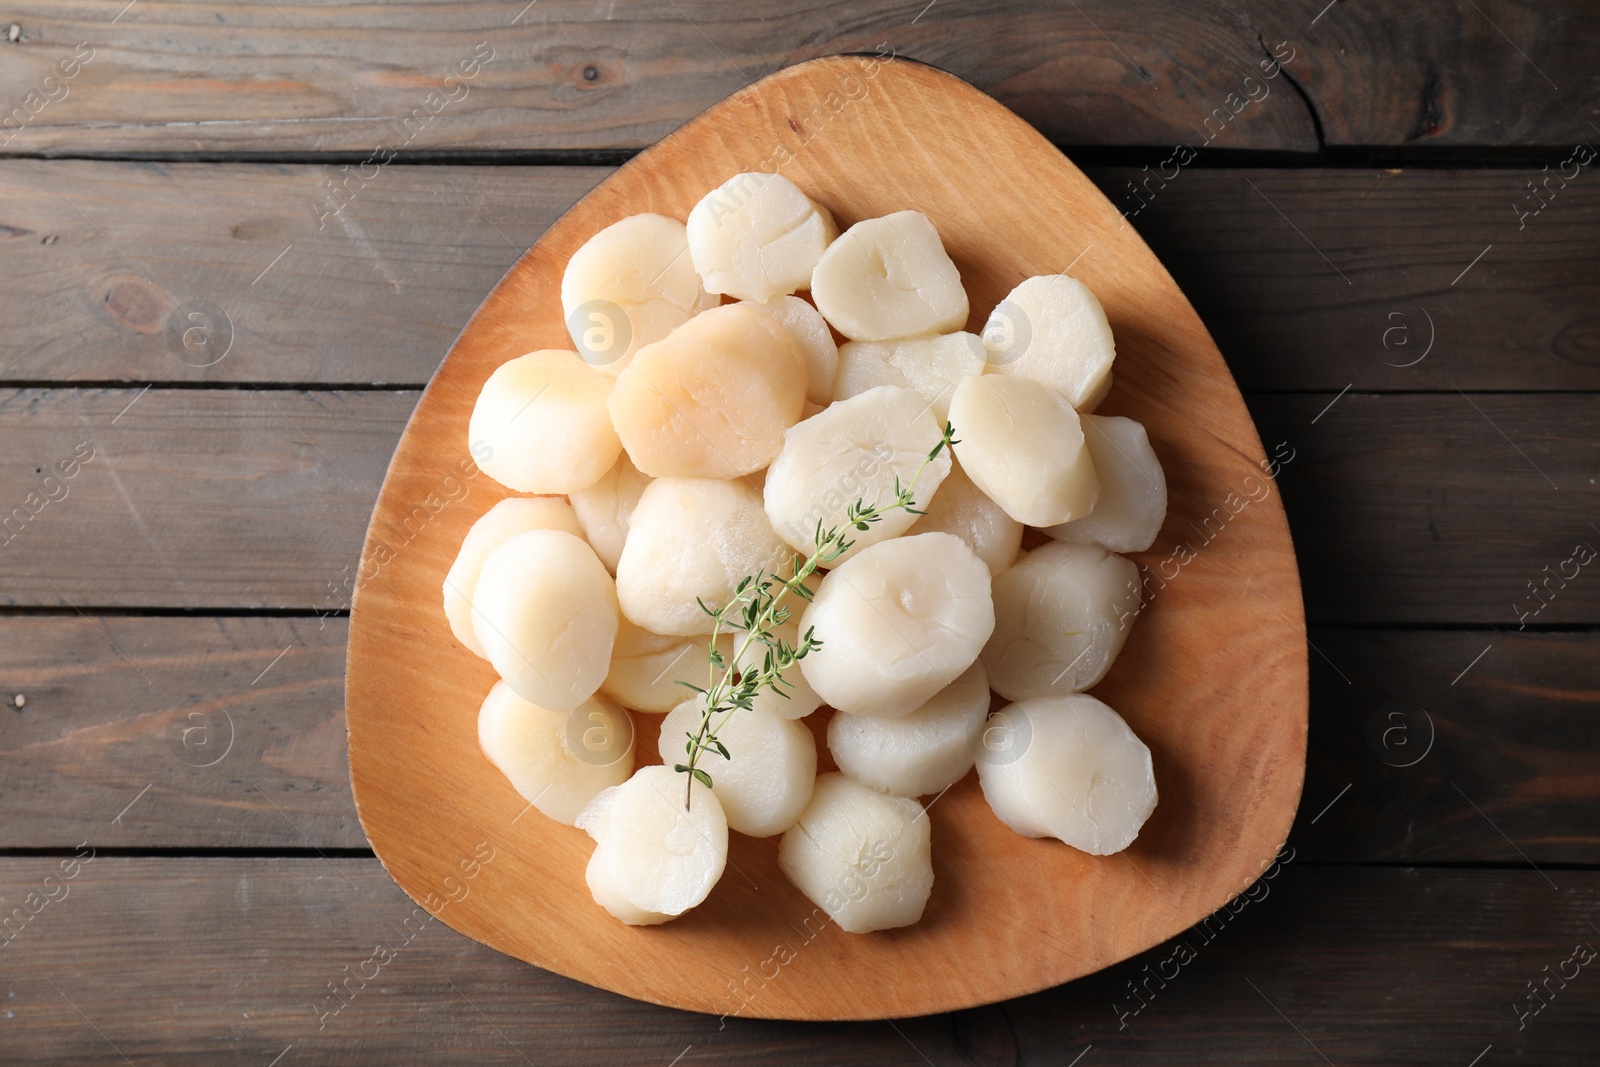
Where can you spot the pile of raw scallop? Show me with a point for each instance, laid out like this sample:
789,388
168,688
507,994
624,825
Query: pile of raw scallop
704,426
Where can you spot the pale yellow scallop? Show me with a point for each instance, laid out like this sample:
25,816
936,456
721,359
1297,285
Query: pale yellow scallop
545,612
501,522
540,424
628,286
713,399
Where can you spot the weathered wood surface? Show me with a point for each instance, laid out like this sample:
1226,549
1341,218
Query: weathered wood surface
191,498
174,733
1448,747
225,718
375,293
1406,511
1404,508
263,77
230,960
1444,507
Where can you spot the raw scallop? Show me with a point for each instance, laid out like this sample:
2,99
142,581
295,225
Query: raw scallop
557,760
540,424
1022,444
692,538
1062,612
898,622
862,856
766,780
1075,772
506,519
1133,489
853,451
888,278
654,859
757,236
712,399
628,286
923,752
545,612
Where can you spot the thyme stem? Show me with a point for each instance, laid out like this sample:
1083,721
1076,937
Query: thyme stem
757,604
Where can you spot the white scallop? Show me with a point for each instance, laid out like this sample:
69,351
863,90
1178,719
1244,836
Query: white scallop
604,508
646,667
654,857
1022,444
816,341
545,612
961,508
897,623
853,451
557,760
887,278
628,286
1133,489
757,236
540,424
923,752
1063,613
864,857
1052,329
1074,771
933,366
692,538
506,519
766,780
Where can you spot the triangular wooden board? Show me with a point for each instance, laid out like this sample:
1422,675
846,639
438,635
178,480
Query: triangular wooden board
1213,679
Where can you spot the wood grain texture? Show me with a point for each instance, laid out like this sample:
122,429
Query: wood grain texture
174,733
1228,746
212,498
1432,508
1380,279
228,961
376,293
1456,747
1518,735
573,74
109,260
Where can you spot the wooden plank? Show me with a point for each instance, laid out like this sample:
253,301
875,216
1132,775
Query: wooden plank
188,498
242,273
1452,747
1283,974
571,74
1379,279
1441,508
175,733
1405,508
376,293
1517,735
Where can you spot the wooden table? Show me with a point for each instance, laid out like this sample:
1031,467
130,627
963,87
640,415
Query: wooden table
235,240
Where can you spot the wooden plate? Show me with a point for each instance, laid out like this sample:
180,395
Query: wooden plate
1213,678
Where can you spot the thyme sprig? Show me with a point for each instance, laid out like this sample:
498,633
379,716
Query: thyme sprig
757,607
